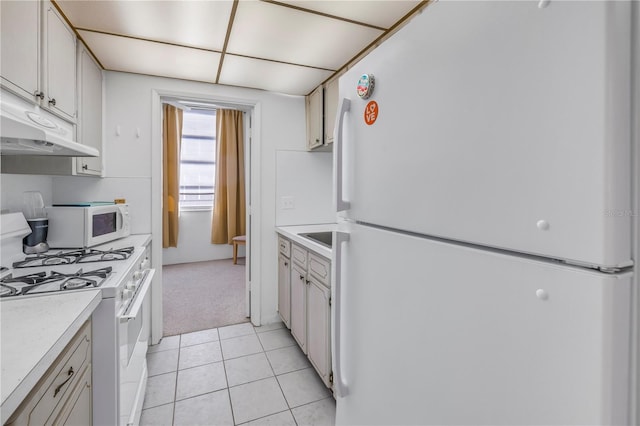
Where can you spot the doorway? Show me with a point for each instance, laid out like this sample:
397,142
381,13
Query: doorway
249,110
203,295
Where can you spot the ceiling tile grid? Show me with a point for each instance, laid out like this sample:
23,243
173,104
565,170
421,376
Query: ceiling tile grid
278,45
146,57
268,75
190,23
381,14
297,37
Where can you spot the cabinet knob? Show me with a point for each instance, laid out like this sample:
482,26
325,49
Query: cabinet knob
301,277
39,94
286,263
52,102
308,282
317,140
85,167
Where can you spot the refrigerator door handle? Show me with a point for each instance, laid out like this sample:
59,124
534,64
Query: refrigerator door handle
342,389
343,108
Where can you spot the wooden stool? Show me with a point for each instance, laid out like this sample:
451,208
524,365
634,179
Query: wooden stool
239,240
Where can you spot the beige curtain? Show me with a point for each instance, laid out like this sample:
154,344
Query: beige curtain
229,202
171,137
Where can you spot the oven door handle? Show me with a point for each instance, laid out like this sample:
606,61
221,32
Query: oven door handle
136,304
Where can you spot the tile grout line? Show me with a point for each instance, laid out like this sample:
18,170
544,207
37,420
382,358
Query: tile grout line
260,342
275,376
175,389
228,387
226,378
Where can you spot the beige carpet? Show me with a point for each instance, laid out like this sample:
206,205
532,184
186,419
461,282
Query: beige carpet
202,295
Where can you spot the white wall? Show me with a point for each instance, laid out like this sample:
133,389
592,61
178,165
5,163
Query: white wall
306,178
136,192
128,157
129,149
194,241
12,187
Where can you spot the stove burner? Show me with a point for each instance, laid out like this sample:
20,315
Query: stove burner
26,279
37,283
47,260
80,280
75,283
92,255
7,290
74,256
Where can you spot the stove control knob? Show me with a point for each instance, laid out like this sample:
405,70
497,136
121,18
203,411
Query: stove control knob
131,286
137,275
126,294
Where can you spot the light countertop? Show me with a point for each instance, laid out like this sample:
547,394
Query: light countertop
135,240
293,234
34,331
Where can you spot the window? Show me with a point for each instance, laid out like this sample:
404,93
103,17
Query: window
198,159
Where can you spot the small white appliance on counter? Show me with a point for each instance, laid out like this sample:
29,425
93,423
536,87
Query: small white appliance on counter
486,273
120,323
87,224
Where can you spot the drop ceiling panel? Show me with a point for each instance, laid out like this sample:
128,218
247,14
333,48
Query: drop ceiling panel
191,23
273,76
145,57
373,12
284,34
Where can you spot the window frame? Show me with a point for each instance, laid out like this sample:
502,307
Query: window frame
181,203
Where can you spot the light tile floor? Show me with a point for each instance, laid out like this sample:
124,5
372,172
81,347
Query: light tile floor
234,375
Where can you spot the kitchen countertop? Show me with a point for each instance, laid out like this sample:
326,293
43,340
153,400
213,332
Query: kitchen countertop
293,233
135,240
35,330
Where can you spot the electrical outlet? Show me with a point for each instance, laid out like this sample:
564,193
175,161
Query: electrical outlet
288,203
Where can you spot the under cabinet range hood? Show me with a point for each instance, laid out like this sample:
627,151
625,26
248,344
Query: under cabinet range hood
26,129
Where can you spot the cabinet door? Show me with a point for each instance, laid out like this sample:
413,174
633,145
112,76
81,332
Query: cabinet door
89,111
284,290
298,306
318,328
314,119
60,65
20,46
78,410
330,109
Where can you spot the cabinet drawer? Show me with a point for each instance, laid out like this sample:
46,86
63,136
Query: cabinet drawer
284,246
299,255
47,398
320,268
77,410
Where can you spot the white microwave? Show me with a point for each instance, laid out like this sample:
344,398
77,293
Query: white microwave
77,226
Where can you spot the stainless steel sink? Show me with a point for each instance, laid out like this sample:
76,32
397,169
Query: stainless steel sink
323,238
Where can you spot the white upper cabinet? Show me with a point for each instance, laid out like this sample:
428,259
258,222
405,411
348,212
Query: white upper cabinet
321,109
330,109
39,56
89,111
314,119
60,64
20,47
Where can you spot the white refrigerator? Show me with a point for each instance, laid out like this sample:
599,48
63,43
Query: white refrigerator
483,273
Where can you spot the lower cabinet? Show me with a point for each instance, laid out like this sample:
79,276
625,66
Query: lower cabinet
318,328
63,396
309,305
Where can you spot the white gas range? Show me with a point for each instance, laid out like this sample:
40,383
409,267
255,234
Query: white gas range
120,323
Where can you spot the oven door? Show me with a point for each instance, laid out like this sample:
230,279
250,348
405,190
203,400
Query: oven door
133,336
